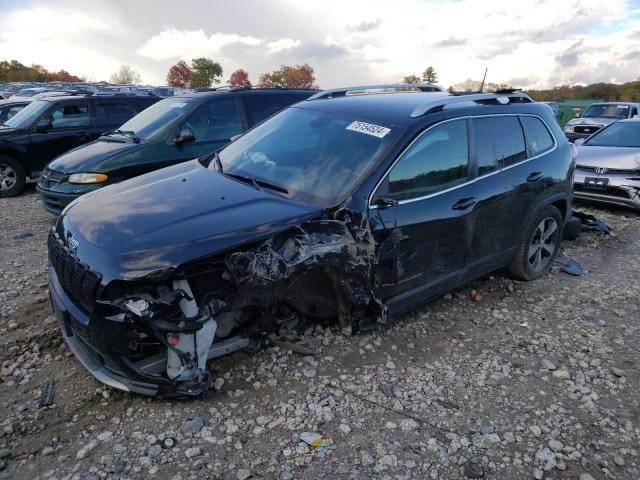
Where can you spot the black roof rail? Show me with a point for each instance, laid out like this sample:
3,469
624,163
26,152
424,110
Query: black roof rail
470,99
359,90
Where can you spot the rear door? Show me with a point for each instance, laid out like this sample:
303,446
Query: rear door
423,237
499,144
70,127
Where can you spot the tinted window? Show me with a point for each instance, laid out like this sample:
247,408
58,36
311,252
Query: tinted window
539,139
499,143
438,160
70,115
215,120
619,134
113,113
263,106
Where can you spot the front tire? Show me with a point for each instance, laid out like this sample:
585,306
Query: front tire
12,177
539,245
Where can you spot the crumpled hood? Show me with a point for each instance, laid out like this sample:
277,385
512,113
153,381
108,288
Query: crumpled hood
171,216
609,157
591,121
89,157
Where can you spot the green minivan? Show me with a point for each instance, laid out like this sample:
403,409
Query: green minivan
171,131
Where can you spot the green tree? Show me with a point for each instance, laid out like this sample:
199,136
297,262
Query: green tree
430,75
205,72
300,76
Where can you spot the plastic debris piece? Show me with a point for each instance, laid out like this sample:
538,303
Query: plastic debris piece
48,392
316,440
572,268
169,442
591,223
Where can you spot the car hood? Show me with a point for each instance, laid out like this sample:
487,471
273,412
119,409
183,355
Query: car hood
171,216
624,158
89,157
592,121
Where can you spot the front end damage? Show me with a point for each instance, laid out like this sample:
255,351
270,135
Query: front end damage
155,334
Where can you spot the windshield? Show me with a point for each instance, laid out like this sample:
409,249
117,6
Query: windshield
155,118
29,114
604,110
315,156
619,134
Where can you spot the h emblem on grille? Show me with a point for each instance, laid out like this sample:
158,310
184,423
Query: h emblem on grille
73,243
600,170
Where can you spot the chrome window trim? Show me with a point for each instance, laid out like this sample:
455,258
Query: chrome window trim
474,180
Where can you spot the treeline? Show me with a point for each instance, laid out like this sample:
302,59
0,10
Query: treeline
625,92
14,71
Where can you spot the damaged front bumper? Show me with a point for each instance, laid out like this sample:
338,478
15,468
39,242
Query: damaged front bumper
613,189
92,340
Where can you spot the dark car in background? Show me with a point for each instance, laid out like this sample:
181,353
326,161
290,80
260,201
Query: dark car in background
344,207
173,130
50,126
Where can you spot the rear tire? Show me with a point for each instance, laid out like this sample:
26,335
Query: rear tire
12,177
539,245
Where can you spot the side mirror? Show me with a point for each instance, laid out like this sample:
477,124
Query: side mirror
579,142
382,202
185,136
44,125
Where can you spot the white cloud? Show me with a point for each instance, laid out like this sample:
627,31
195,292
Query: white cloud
187,44
282,44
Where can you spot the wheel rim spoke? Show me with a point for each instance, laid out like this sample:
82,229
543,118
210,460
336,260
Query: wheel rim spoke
550,230
543,244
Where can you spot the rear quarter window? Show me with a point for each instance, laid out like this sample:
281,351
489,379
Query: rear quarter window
499,143
539,139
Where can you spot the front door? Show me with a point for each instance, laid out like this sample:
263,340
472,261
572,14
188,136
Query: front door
420,215
69,126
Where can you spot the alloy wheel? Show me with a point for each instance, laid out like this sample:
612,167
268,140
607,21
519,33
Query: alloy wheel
543,244
8,177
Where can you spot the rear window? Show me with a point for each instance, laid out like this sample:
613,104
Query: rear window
261,107
499,143
539,140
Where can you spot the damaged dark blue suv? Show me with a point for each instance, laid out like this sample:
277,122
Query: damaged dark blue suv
354,205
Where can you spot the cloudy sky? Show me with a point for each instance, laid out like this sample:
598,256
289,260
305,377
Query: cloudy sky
526,43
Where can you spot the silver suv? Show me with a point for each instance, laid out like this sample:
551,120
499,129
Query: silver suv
598,115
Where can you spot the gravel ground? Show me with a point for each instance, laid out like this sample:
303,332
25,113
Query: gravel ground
499,379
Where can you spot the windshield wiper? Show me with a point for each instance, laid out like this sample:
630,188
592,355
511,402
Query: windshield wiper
127,133
257,183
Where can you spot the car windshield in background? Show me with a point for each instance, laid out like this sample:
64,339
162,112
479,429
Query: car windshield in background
621,134
155,118
25,117
606,111
315,157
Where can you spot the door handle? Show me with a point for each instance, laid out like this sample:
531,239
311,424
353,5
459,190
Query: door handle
464,203
535,177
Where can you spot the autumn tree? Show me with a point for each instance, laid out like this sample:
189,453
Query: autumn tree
240,78
63,76
125,76
411,79
180,75
300,76
205,72
430,75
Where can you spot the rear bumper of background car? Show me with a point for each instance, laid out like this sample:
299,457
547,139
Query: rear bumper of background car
620,189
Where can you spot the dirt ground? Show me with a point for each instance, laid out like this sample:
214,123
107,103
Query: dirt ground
499,379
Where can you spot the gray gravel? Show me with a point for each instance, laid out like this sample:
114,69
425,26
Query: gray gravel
499,379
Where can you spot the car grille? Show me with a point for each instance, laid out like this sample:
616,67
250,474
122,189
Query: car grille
586,129
609,191
612,171
76,278
50,178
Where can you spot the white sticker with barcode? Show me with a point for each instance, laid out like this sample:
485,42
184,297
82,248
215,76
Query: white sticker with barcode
369,129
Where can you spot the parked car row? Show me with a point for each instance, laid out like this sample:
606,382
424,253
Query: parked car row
29,89
354,204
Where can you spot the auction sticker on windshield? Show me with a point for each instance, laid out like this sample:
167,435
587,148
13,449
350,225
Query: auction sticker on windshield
369,129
